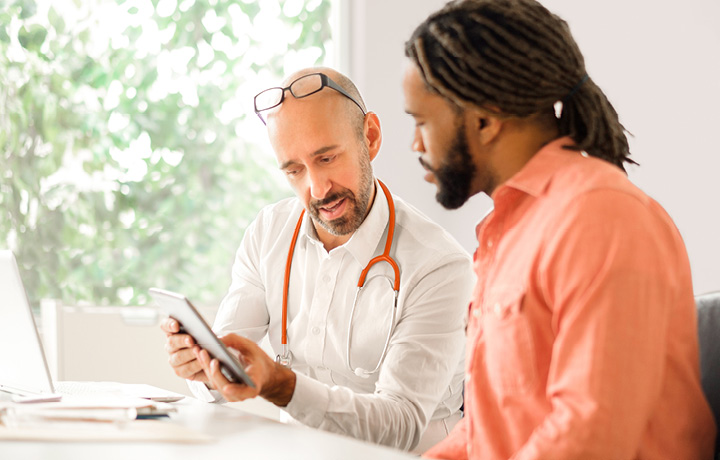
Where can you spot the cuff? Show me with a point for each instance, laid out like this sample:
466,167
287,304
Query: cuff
203,393
309,402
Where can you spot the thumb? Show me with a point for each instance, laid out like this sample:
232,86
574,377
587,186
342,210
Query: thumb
239,343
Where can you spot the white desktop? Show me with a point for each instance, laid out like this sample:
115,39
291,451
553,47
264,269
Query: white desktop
221,432
186,428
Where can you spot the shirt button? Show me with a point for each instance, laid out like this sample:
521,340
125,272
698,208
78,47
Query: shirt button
316,330
497,308
326,278
477,312
489,243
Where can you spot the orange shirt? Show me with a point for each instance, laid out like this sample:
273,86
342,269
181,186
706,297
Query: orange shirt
582,334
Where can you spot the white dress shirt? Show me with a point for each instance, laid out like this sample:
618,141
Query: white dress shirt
420,379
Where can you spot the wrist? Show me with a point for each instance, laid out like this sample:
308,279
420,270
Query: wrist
282,387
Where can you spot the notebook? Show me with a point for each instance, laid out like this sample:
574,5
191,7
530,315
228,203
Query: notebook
23,367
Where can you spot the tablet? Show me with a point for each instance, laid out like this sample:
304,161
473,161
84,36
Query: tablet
179,307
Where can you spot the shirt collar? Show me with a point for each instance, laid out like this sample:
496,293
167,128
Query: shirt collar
534,177
363,243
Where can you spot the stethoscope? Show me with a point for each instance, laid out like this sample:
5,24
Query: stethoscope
285,358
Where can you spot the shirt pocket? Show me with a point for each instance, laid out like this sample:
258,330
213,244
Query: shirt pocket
509,346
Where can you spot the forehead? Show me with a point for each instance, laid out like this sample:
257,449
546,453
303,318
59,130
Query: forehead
321,111
413,84
418,97
302,126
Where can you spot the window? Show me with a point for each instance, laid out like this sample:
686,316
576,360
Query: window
131,156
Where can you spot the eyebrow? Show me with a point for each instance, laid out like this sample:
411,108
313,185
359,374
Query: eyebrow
317,152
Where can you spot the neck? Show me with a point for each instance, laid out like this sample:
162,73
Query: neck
522,139
329,240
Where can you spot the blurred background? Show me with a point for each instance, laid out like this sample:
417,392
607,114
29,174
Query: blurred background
130,155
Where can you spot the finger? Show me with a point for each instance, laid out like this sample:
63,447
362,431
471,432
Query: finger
177,342
182,357
191,371
230,391
203,358
170,326
199,377
215,377
239,343
234,392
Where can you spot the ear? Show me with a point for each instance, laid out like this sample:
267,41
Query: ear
485,126
373,134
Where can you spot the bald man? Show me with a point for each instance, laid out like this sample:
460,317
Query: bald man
387,374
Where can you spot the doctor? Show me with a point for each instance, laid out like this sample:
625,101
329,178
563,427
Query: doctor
384,365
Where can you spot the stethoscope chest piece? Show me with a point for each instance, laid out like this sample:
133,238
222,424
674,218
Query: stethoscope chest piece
285,358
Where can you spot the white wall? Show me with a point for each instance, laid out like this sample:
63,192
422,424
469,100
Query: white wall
658,62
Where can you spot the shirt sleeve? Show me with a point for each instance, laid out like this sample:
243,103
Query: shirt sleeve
425,349
613,274
454,446
243,310
203,393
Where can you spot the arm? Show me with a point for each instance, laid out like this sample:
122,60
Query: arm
610,314
425,350
424,353
454,446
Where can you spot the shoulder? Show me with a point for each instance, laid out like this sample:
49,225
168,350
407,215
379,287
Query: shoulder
274,219
596,198
591,188
582,175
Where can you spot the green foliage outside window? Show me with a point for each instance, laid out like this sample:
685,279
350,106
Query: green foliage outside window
129,152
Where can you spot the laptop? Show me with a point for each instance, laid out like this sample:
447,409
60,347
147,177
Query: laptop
24,372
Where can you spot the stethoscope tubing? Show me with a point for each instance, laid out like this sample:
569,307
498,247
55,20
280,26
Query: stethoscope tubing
285,357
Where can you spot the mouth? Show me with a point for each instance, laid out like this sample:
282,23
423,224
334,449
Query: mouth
333,210
429,173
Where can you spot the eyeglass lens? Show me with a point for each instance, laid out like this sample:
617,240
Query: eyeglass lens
303,86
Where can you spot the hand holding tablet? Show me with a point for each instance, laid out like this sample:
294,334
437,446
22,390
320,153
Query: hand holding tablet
179,307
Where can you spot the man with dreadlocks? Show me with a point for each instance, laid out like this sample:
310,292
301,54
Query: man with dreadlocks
582,336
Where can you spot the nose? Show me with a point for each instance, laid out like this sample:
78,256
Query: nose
417,142
320,183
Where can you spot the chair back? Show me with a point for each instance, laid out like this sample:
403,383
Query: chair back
708,313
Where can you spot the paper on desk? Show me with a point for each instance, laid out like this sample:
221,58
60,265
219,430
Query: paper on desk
135,430
89,407
17,416
94,400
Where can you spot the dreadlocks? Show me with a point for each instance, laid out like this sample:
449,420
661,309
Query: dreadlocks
516,58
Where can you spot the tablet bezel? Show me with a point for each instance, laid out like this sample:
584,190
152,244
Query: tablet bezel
181,309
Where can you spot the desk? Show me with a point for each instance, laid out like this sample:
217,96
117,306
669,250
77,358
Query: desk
237,435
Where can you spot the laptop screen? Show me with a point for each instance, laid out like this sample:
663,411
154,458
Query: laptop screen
22,361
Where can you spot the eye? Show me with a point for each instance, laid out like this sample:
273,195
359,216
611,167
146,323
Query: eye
328,159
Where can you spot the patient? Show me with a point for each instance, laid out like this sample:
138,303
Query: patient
582,334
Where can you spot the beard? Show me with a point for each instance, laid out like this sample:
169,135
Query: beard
357,205
455,176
